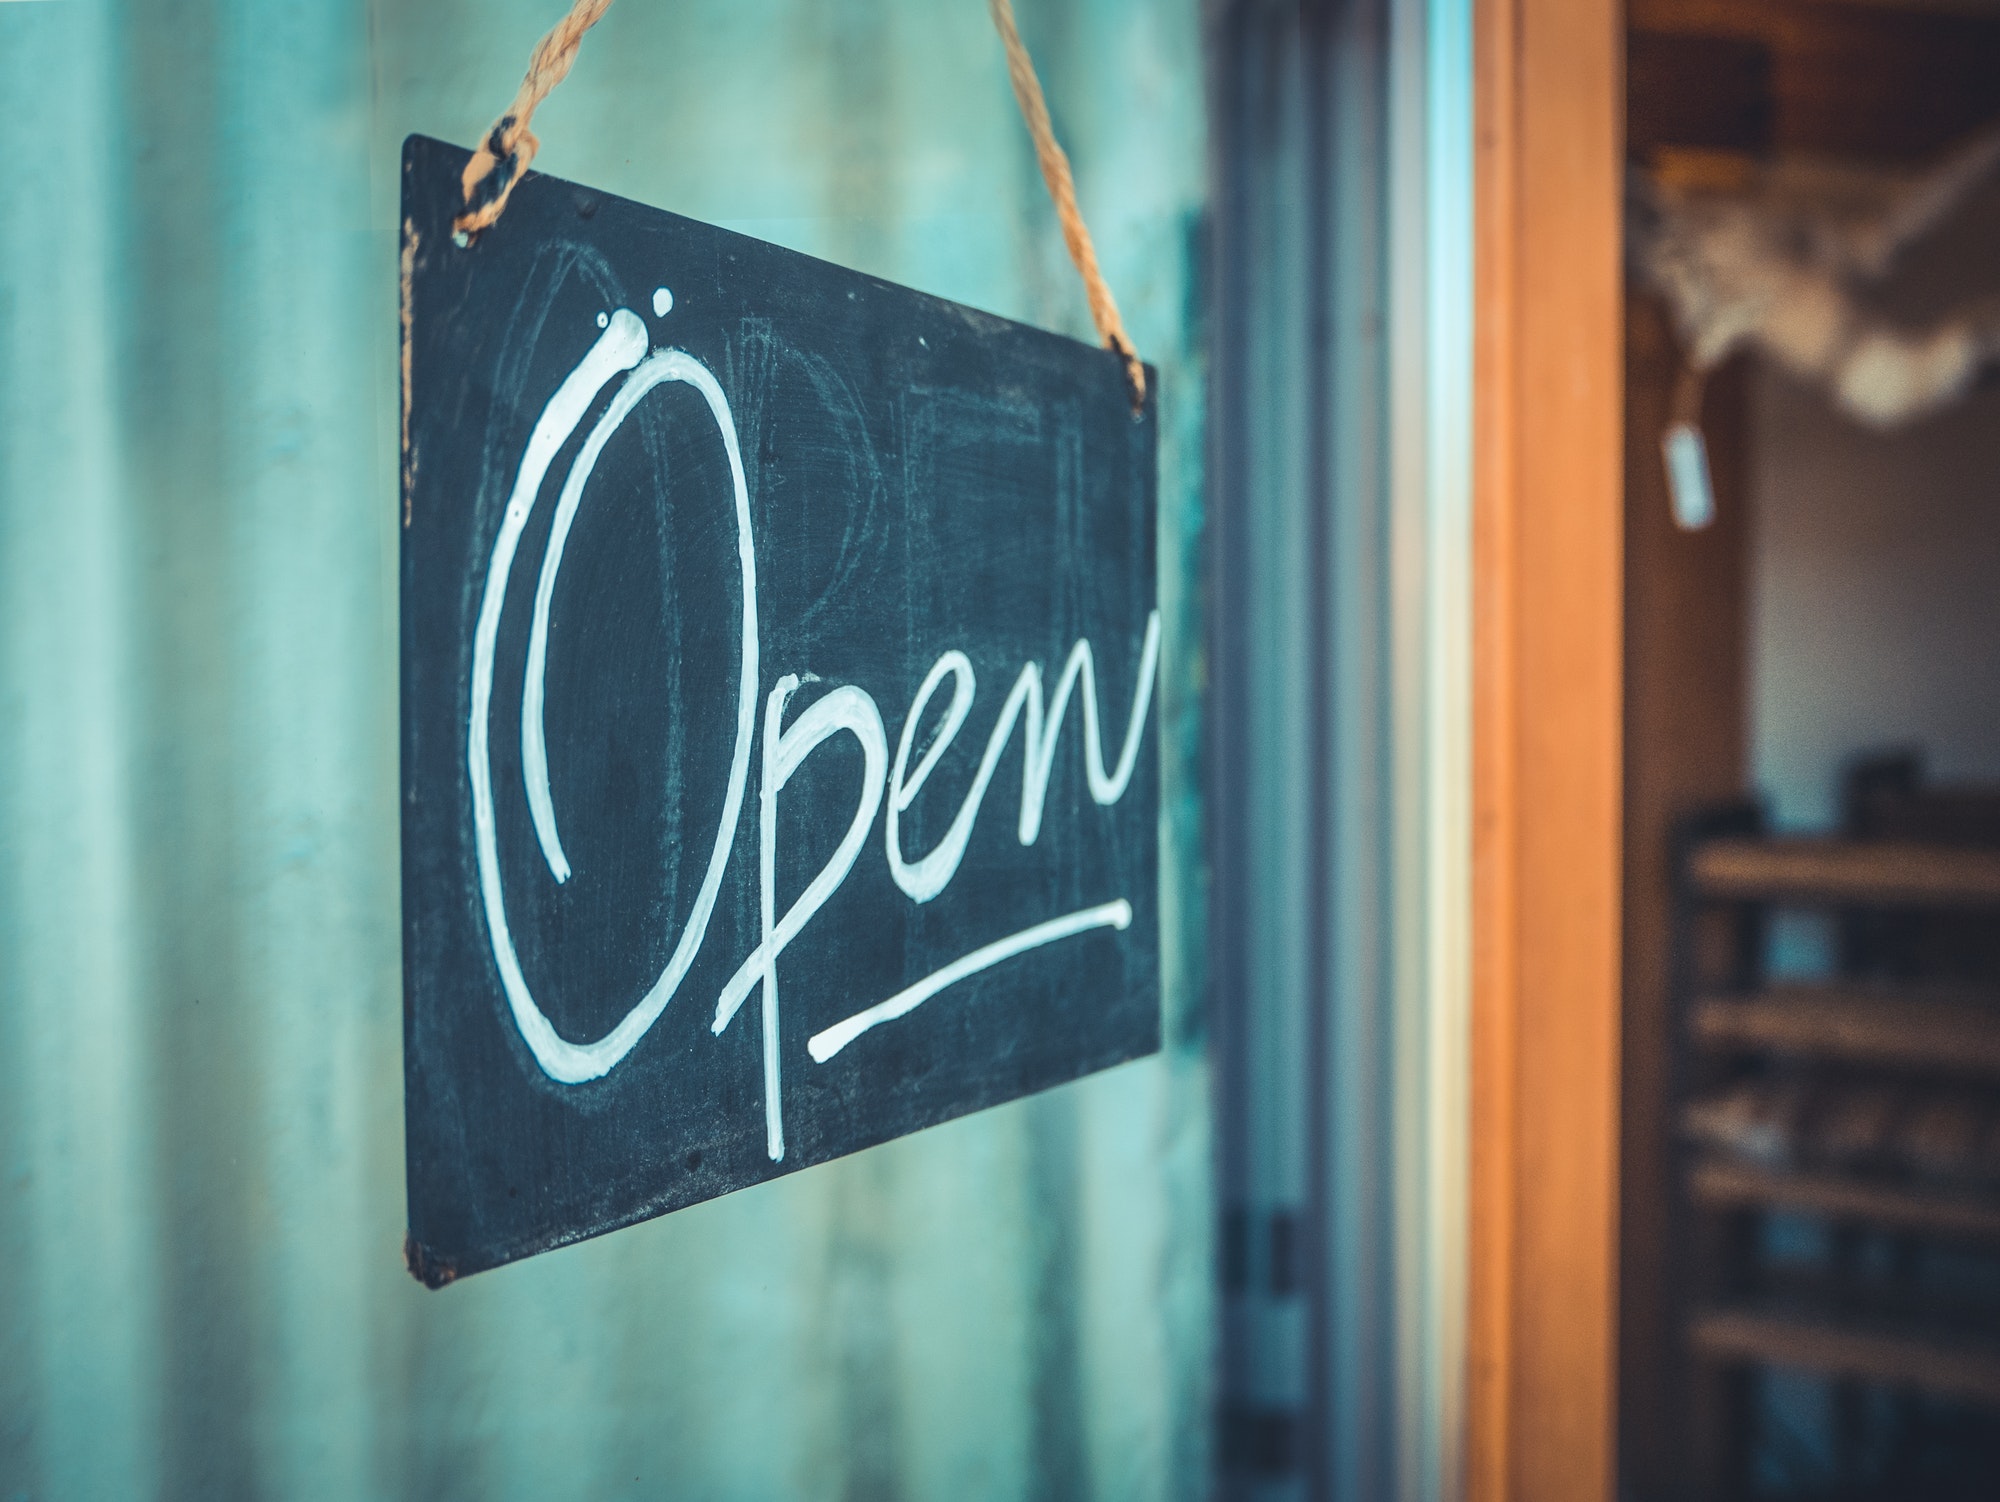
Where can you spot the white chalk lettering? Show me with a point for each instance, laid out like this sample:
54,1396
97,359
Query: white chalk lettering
621,350
846,708
923,879
618,348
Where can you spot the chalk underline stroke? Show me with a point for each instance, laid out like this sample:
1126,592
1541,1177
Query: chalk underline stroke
824,1044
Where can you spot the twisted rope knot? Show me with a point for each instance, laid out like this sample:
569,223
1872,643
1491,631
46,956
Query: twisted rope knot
503,157
501,161
1135,368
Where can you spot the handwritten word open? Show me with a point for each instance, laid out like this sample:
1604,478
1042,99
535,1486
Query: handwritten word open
887,782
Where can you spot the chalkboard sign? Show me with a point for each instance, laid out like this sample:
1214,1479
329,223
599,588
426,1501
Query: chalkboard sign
778,654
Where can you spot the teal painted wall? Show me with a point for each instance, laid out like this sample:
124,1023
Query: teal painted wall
201,1292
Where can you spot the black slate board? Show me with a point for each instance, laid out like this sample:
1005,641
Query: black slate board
917,478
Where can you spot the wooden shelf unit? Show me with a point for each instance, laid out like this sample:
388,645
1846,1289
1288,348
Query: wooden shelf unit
1874,1351
1948,1033
1846,873
1862,1309
1722,1183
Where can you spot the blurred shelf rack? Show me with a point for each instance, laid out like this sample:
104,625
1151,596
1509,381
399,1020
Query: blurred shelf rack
1843,872
1865,1106
1718,1183
1899,1028
1873,1350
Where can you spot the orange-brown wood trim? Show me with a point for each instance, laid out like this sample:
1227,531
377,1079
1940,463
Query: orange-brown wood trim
1548,534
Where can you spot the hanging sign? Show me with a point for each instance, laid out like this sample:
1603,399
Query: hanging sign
779,659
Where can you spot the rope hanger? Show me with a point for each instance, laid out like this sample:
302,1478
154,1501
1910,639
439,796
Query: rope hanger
503,158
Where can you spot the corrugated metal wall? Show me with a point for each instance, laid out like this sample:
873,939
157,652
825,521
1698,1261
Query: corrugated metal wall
201,1292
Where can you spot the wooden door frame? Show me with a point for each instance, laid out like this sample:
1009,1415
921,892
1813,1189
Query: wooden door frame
1547,644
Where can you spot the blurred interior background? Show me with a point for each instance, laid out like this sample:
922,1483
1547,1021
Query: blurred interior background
1811,1168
